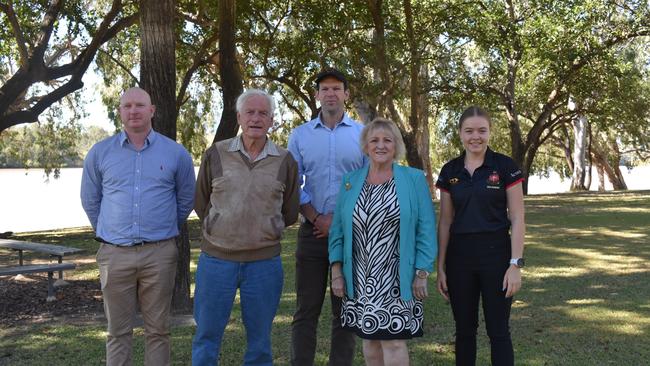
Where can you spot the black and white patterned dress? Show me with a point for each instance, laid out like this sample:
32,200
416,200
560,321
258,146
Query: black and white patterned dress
377,311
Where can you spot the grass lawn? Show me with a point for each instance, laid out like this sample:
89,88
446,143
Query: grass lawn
585,300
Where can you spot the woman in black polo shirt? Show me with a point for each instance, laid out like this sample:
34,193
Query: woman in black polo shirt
480,238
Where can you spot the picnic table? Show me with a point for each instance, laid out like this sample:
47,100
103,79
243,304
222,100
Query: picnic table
57,251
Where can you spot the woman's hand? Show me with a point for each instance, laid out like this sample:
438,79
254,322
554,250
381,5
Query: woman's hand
442,284
338,285
420,288
512,280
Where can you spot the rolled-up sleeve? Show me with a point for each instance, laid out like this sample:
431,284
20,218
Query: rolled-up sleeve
294,149
335,236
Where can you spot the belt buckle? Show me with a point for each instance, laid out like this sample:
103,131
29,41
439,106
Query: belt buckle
140,243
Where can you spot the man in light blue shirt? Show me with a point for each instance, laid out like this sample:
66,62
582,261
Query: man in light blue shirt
325,148
137,187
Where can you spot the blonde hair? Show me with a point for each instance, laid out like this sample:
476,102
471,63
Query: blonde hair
390,127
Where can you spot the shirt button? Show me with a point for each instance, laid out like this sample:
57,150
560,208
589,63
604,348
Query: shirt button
137,171
136,188
136,205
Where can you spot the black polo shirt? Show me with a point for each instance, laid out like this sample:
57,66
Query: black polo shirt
480,203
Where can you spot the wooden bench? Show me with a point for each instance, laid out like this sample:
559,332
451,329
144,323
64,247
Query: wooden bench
58,251
39,268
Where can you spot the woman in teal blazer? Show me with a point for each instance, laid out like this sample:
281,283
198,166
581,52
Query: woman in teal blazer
382,246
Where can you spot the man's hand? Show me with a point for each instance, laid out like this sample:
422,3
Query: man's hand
322,226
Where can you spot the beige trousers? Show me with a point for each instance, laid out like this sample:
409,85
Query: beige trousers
139,275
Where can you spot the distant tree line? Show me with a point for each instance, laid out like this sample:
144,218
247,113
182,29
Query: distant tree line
47,146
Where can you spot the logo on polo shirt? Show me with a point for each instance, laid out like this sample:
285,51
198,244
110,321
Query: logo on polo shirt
454,181
493,180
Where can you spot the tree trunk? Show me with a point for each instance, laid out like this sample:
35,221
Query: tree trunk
229,71
386,101
601,178
519,153
423,136
158,61
612,171
579,154
565,145
365,110
419,111
589,163
158,78
618,182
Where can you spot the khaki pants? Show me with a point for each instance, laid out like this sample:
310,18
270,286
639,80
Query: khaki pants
144,275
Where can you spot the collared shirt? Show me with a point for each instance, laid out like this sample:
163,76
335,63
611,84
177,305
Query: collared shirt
132,196
479,200
323,156
269,149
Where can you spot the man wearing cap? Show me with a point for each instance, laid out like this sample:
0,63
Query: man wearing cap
325,148
137,187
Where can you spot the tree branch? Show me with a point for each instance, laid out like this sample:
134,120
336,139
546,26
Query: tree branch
36,71
120,65
292,107
199,60
47,25
18,33
31,115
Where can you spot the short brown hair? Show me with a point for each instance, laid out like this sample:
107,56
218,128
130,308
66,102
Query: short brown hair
387,125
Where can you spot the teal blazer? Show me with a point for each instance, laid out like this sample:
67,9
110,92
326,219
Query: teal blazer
418,244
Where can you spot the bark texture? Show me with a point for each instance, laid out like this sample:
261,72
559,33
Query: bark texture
158,61
580,131
229,70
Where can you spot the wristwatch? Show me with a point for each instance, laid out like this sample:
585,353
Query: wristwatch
519,262
421,273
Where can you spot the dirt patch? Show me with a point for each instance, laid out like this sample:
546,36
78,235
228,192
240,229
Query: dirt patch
22,300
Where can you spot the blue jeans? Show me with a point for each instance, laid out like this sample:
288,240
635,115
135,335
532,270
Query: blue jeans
260,287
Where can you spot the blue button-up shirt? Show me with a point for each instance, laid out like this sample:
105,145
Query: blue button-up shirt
323,156
132,196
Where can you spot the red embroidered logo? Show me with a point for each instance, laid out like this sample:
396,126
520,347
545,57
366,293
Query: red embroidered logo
493,179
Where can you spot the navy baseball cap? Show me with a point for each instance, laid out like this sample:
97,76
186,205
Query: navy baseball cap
334,73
